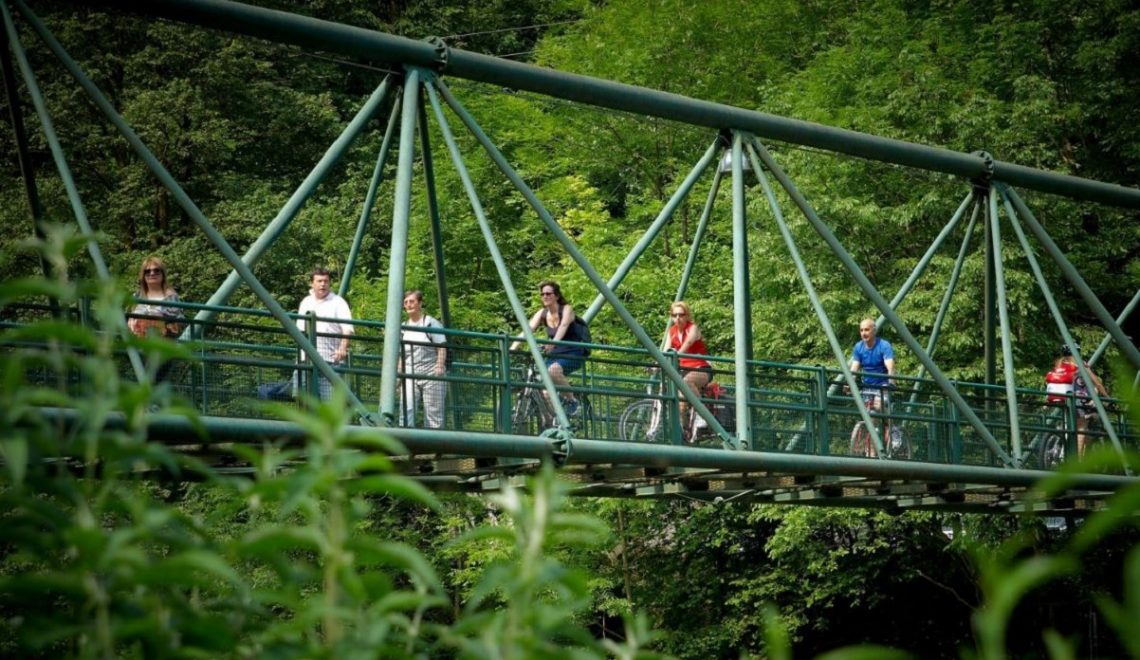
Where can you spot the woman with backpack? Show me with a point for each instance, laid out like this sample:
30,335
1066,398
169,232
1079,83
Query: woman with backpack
561,325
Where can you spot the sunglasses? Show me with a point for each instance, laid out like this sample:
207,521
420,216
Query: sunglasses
677,315
547,293
152,271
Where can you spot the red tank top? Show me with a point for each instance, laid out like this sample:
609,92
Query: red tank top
676,338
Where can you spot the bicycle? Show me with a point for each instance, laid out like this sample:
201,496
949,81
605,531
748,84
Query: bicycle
533,414
644,419
896,444
1050,447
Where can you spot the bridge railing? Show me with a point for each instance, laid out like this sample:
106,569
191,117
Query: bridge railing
243,355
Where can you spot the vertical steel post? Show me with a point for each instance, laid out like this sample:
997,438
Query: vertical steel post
370,198
433,214
292,207
583,263
48,127
877,298
184,201
500,262
1071,274
741,298
816,303
398,255
989,307
654,229
1006,332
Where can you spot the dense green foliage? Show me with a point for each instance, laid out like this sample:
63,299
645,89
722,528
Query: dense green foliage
240,123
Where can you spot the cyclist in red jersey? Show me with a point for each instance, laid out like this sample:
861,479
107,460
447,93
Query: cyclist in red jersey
1063,381
684,337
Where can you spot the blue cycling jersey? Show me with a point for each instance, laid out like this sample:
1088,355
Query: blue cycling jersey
873,361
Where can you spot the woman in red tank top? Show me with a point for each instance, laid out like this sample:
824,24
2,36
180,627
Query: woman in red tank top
685,337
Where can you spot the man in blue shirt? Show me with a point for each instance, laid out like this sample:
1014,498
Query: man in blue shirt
876,359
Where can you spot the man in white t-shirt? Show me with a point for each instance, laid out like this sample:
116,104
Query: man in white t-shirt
422,353
332,331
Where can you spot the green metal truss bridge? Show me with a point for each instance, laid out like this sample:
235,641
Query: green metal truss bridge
775,432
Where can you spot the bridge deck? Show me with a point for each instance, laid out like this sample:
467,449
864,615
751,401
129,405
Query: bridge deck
801,425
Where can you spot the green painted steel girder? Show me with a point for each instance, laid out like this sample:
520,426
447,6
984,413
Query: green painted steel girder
284,27
180,429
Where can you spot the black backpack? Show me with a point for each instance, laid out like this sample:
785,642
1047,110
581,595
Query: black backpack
580,328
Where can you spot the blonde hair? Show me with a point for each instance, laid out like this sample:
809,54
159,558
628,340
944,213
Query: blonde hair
684,307
151,262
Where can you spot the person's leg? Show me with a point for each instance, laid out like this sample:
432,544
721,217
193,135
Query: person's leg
873,404
896,432
434,392
557,373
1082,438
696,379
410,395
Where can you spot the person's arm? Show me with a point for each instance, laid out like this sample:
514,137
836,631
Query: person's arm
133,323
691,337
440,360
302,309
173,316
564,323
890,363
1100,388
441,350
346,330
534,320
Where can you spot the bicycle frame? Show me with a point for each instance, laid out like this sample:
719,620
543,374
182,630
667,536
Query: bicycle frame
861,442
533,410
651,429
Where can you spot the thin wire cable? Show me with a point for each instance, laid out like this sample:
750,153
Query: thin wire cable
512,29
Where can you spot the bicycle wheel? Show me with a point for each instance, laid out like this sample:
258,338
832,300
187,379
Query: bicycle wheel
526,419
640,422
1052,451
899,449
861,444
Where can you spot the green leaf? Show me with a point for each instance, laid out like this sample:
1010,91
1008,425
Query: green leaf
61,331
34,287
279,539
400,555
396,486
15,453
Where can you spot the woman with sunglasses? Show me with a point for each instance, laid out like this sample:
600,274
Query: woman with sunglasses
558,317
149,315
684,337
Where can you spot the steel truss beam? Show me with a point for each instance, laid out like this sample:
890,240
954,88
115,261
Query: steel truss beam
821,473
284,27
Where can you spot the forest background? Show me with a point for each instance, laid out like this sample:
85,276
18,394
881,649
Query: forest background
1045,84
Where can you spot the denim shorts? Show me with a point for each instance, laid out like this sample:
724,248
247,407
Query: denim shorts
569,363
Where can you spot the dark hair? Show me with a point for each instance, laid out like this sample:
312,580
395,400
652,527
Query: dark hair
557,290
415,292
320,270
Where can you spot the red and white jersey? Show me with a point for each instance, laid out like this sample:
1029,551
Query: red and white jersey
1059,382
